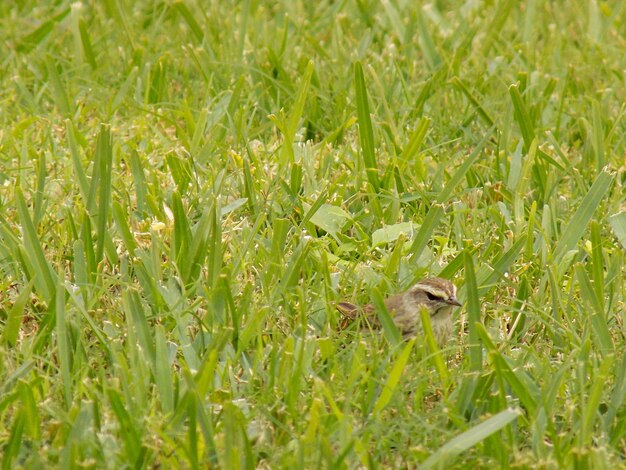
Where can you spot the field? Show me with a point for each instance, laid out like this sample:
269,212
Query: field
188,188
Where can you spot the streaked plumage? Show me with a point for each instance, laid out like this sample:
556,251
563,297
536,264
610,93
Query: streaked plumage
436,295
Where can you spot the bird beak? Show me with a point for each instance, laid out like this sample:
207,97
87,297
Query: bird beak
452,301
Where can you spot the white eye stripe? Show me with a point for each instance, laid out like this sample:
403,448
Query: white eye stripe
433,291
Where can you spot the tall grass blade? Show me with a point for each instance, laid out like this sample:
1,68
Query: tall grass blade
190,19
482,112
394,377
163,375
522,116
596,392
63,345
579,221
366,132
59,93
447,191
72,142
136,317
427,44
411,149
45,278
13,321
292,122
103,165
493,30
473,314
430,223
384,316
435,353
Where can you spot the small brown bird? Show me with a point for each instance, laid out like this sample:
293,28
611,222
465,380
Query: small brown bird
436,295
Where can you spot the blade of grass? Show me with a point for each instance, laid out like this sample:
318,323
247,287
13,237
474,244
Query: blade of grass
393,379
45,278
13,322
162,375
599,327
426,230
136,316
579,221
129,434
500,15
488,276
473,314
426,43
366,133
81,178
190,19
435,353
447,191
411,149
214,247
292,122
618,224
460,85
63,345
470,438
104,165
521,384
120,216
522,116
597,390
59,92
384,316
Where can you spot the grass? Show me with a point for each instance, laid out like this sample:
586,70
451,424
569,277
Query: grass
188,187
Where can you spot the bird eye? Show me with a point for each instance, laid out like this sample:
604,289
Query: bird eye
431,296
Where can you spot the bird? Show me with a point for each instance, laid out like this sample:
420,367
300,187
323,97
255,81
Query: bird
436,295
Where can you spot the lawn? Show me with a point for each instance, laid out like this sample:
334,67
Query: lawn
188,188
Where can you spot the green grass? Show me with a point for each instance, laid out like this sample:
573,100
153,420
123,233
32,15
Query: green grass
188,187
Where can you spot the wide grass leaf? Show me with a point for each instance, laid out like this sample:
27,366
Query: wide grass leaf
470,438
618,224
390,233
330,218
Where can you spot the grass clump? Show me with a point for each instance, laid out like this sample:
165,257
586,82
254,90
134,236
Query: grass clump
187,190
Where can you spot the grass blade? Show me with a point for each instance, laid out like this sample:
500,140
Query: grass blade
579,221
190,19
394,377
163,375
470,438
384,316
473,314
431,221
618,224
435,353
411,149
522,386
460,85
366,133
445,194
522,116
104,165
81,178
63,345
45,278
14,316
494,28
